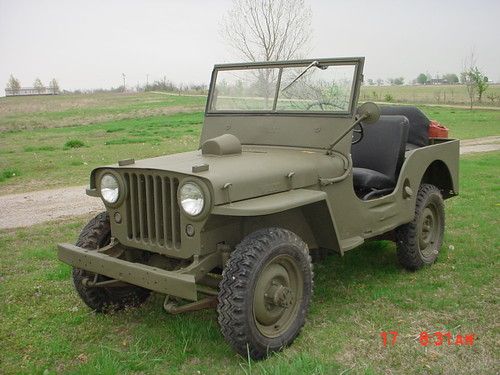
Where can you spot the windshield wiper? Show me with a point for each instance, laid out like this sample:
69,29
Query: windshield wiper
314,63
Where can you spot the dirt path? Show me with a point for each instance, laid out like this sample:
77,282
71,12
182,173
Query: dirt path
469,146
26,209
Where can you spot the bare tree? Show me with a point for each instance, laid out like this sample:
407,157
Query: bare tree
268,30
14,84
492,97
54,86
470,87
38,85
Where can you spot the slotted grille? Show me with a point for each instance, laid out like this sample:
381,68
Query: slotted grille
153,215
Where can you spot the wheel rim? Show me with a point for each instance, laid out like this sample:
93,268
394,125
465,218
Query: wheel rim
429,231
277,296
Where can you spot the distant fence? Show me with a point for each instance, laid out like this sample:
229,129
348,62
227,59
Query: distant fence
23,91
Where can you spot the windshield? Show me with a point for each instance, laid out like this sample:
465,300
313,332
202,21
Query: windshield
315,87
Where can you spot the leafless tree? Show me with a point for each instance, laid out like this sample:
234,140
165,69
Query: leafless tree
38,85
492,97
14,84
54,86
268,30
469,64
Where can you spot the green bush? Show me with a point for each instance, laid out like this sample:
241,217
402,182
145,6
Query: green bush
8,173
74,143
388,98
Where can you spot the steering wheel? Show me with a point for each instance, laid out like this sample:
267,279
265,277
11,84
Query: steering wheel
357,134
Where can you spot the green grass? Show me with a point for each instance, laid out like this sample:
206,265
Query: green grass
39,135
45,327
465,124
51,157
430,94
8,173
74,110
72,143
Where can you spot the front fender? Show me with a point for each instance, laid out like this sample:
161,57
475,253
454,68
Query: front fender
303,211
271,204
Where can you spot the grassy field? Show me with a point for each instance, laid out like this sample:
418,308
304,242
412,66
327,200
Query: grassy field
428,94
56,141
69,135
45,328
35,112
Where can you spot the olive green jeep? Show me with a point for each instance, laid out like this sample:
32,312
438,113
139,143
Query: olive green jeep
288,166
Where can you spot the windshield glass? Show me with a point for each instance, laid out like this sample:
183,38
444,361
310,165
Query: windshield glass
243,90
321,88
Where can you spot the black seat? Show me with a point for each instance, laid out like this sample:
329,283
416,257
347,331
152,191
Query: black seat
378,157
419,124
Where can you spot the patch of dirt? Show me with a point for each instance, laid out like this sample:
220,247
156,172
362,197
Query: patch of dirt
26,209
485,144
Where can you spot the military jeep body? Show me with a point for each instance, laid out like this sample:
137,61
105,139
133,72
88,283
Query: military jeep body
288,166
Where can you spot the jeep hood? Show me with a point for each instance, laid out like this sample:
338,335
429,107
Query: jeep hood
256,171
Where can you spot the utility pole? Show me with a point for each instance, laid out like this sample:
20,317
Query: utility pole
123,76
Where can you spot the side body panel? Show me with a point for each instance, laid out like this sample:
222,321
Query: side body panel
358,220
334,217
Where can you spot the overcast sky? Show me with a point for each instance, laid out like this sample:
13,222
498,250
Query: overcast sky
88,44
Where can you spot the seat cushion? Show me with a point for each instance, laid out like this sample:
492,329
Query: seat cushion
419,122
370,179
382,147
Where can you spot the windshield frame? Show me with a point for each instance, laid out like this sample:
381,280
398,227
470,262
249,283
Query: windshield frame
357,62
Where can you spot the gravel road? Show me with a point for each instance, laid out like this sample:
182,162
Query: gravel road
469,146
26,209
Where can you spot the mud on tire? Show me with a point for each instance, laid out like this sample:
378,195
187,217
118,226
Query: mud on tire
97,234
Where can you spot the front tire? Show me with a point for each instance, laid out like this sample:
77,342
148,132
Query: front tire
419,242
265,292
97,234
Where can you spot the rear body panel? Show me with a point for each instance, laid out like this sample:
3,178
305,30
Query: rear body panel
357,220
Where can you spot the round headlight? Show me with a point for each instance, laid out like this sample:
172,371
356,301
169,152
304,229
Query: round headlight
110,189
191,198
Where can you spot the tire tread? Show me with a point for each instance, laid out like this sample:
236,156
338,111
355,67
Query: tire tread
407,235
236,282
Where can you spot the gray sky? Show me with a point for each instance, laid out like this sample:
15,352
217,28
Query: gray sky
88,44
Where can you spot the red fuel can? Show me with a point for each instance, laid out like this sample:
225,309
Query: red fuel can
436,130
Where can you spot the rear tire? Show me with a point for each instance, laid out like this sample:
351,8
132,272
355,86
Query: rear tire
97,234
265,292
419,242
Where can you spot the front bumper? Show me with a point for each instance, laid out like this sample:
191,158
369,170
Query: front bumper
168,282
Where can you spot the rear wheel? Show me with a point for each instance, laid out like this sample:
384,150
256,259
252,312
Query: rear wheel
419,242
97,234
265,292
